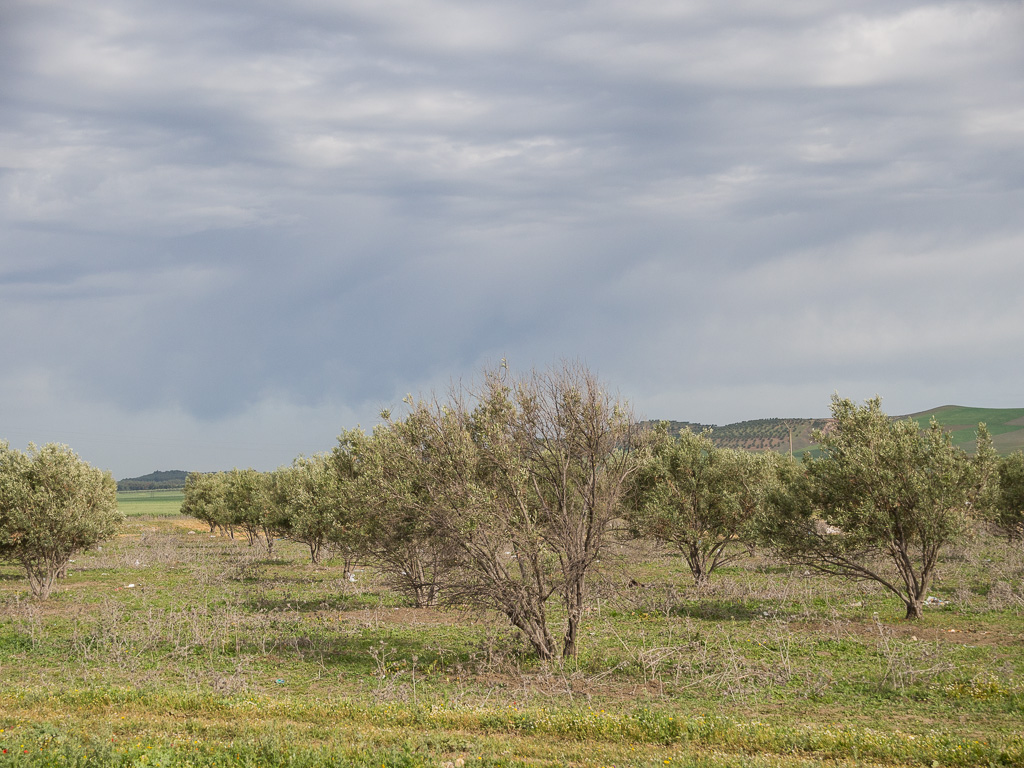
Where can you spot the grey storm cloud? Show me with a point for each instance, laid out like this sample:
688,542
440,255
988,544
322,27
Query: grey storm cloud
245,225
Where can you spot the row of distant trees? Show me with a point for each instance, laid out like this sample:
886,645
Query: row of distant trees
505,494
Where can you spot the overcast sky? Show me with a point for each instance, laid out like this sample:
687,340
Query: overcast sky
231,228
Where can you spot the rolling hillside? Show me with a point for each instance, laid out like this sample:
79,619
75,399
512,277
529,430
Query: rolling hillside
174,478
1005,424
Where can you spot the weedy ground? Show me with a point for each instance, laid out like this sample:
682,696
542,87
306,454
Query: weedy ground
169,646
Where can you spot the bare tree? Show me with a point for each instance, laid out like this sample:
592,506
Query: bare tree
519,482
583,451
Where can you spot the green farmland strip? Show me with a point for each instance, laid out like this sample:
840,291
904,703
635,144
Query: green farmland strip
159,503
996,419
1006,425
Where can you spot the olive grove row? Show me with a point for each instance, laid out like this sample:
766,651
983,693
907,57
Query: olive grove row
505,494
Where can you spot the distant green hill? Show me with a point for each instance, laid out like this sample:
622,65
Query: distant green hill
1005,424
174,478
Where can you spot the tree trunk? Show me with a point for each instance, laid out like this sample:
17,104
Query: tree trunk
40,581
424,586
350,563
426,595
538,636
542,648
914,608
574,606
698,568
569,643
918,589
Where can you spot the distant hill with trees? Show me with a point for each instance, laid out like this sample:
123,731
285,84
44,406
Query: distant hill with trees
757,434
173,478
1006,426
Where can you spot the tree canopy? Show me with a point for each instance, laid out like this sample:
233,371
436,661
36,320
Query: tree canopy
881,502
509,488
52,505
1010,497
699,498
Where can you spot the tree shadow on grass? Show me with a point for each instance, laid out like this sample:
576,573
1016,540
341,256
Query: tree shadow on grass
710,609
336,602
371,654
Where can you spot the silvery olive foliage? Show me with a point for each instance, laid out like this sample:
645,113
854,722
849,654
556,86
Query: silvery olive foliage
699,498
1009,505
52,505
882,501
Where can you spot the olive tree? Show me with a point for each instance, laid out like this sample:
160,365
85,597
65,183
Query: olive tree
699,498
581,445
517,483
52,505
881,502
319,505
394,513
241,498
204,499
1009,506
250,504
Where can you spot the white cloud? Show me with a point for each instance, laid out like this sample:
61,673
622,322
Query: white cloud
210,214
823,45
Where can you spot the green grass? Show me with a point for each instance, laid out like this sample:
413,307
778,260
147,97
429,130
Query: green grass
293,732
151,503
173,647
1006,425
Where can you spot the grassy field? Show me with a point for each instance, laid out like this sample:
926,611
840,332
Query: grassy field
150,503
1005,424
173,647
